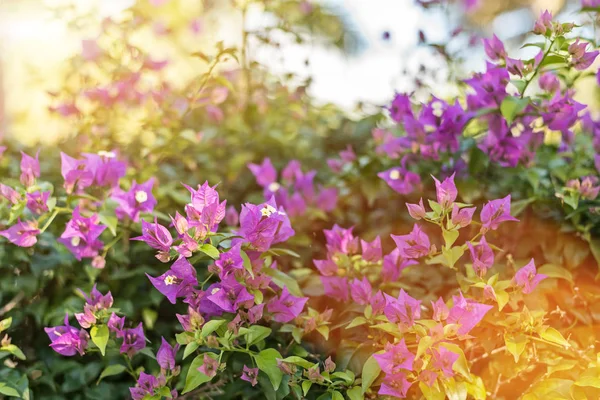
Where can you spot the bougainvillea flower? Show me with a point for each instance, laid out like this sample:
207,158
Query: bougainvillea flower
116,323
81,235
255,313
400,180
177,281
192,321
335,287
98,300
495,212
23,233
146,385
250,375
326,267
230,260
9,194
444,359
134,340
395,358
209,366
417,211
340,240
37,202
231,295
413,245
30,169
165,356
286,307
494,48
446,191
400,107
264,173
378,302
395,385
403,310
543,23
66,340
105,168
482,256
462,217
580,58
371,251
156,236
75,173
527,278
549,82
440,310
263,225
138,199
361,291
466,313
232,217
87,318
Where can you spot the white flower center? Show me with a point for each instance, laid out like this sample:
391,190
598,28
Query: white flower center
215,290
75,241
437,108
268,210
395,174
107,154
517,130
273,187
170,279
141,196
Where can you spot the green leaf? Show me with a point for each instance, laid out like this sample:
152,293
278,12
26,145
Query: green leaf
517,207
266,361
515,344
452,255
306,387
109,220
358,321
431,393
512,106
335,395
189,349
355,393
556,271
7,390
552,335
99,334
112,370
591,381
212,326
299,361
449,237
247,263
282,280
424,344
210,251
194,377
14,350
256,333
370,372
5,324
277,251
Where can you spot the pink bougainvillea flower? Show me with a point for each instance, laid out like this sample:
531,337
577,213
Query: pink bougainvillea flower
482,256
326,267
37,202
250,375
417,211
395,385
403,310
371,251
444,359
401,180
462,217
9,194
263,225
440,310
209,366
264,173
138,199
395,358
361,291
494,48
446,191
156,236
527,278
23,233
75,173
286,307
165,356
146,385
466,313
66,340
30,169
81,235
231,295
105,168
134,340
340,240
495,212
413,245
177,281
336,287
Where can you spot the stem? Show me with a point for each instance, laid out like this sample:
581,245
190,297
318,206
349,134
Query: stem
111,244
537,69
52,216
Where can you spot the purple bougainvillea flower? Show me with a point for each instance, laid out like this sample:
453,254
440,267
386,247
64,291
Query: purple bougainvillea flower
466,313
292,171
371,251
75,173
97,300
327,198
66,340
335,287
9,194
543,23
549,82
494,48
232,217
361,291
105,168
393,265
209,366
403,310
495,212
444,359
230,260
156,236
146,385
462,217
340,240
400,107
177,281
263,225
414,245
264,173
400,180
165,356
446,191
192,321
440,310
395,358
395,385
527,278
250,375
30,169
482,256
37,202
326,267
23,233
378,302
286,307
231,295
255,313
138,199
116,323
134,340
81,235
580,58
417,211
